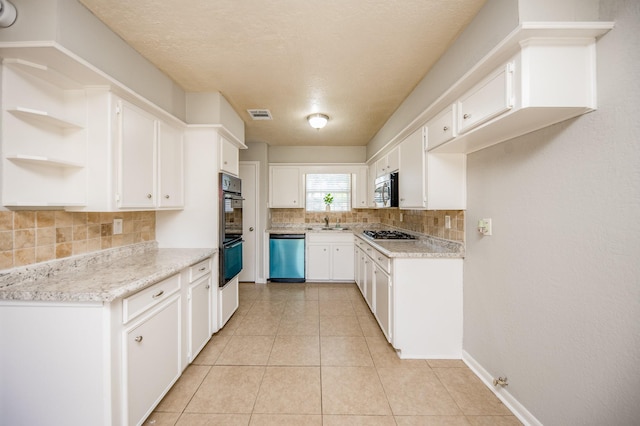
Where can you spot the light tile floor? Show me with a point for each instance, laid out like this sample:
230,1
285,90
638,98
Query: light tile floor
313,354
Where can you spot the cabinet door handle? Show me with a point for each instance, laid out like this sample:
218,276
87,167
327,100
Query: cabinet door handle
138,339
166,196
208,287
158,294
445,128
251,229
466,116
204,268
149,196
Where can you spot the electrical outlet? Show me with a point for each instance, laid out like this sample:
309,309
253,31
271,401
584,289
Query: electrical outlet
484,226
117,226
447,222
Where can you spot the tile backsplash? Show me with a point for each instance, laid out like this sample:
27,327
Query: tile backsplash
28,237
429,222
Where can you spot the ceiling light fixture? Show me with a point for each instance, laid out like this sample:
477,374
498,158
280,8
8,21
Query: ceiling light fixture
318,121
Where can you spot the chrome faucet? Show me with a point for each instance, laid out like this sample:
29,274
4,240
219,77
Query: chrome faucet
326,221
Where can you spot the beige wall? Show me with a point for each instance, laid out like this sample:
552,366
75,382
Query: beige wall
317,154
28,237
552,299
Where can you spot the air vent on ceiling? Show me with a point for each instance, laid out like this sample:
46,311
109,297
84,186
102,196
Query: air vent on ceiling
260,114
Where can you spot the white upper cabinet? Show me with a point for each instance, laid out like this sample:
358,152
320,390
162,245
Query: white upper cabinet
170,166
359,192
411,178
442,128
229,157
136,139
388,164
542,74
488,99
285,187
44,137
428,180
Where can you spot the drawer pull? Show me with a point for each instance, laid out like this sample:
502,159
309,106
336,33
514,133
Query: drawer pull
158,294
445,128
466,116
149,196
208,287
204,268
138,339
380,259
166,196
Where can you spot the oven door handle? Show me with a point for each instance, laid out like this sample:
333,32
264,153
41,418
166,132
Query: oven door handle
236,244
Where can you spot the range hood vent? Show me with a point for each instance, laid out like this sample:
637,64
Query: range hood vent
260,114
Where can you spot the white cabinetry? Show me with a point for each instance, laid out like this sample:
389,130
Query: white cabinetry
119,360
229,157
486,100
151,360
330,257
421,318
387,164
540,75
44,137
228,301
199,301
359,188
383,300
430,181
442,128
285,187
170,166
136,140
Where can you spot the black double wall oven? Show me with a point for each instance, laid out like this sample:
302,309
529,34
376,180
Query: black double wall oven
230,202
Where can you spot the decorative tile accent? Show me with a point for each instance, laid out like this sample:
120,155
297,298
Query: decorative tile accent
30,236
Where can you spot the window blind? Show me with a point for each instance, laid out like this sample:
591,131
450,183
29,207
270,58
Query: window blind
320,184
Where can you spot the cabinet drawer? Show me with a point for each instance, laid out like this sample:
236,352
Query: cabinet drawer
134,305
199,269
440,129
381,260
487,100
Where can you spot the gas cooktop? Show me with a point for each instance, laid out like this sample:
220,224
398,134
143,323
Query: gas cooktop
388,235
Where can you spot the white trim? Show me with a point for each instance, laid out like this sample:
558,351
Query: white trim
502,393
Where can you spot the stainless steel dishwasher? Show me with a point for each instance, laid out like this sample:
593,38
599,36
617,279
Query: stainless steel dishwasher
286,258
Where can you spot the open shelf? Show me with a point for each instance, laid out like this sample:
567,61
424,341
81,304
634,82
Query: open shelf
44,117
43,161
44,73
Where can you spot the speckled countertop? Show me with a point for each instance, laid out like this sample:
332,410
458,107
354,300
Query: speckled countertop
97,277
424,246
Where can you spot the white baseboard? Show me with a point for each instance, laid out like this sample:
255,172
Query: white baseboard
502,393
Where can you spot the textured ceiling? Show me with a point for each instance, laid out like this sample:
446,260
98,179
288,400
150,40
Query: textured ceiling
354,60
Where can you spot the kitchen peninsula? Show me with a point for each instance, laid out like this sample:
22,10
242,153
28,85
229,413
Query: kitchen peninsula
104,336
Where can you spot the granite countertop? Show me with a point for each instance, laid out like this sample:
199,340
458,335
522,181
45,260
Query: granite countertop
98,277
424,246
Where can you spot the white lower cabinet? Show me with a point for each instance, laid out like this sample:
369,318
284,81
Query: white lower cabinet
120,358
383,300
416,301
199,311
330,257
152,360
228,301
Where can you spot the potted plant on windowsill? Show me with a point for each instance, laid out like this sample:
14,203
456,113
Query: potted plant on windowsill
328,199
